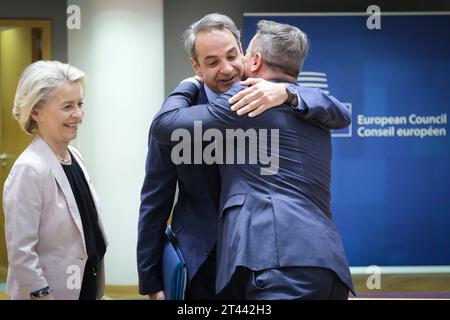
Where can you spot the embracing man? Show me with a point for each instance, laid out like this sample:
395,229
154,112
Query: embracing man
214,46
276,239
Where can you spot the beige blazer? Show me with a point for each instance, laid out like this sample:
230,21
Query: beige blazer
44,233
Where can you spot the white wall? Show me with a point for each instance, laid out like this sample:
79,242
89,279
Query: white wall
120,47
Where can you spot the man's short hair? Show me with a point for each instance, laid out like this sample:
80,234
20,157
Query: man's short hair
283,47
213,21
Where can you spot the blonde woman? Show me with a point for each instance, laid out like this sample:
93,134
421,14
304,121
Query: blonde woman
54,231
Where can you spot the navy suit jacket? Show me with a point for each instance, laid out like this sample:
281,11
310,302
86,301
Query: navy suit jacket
195,215
270,221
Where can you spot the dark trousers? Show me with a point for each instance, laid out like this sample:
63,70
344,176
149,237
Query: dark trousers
203,284
89,284
288,283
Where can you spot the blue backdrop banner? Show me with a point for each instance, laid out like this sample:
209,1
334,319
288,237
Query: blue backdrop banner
391,169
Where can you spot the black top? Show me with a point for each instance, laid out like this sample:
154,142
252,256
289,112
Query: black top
95,244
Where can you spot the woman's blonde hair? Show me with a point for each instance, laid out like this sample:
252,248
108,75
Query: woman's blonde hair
37,82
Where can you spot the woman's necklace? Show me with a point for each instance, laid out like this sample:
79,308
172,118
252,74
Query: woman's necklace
67,160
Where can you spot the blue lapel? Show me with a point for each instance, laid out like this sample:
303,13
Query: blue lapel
202,98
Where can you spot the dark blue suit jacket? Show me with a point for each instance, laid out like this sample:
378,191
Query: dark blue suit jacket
270,221
195,215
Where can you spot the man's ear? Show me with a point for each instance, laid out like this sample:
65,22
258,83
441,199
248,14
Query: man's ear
256,63
196,67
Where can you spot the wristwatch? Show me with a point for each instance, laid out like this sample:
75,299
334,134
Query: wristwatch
292,98
40,293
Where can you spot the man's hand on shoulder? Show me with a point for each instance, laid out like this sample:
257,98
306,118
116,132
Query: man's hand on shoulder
197,80
260,96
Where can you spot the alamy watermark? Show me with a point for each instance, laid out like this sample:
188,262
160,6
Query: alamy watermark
374,280
374,20
73,17
73,21
73,281
249,146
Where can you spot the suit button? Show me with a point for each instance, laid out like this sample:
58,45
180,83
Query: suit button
206,254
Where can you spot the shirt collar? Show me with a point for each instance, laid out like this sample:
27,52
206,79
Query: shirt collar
211,95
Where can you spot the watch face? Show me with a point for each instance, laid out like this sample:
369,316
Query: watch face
291,92
291,87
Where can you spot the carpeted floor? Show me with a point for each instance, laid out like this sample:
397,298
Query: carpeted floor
111,293
130,293
405,295
3,296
